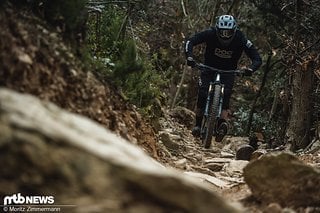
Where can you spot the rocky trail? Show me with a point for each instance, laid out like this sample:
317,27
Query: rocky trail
104,172
222,165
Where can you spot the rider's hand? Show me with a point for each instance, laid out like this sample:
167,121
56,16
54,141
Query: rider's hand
247,72
191,62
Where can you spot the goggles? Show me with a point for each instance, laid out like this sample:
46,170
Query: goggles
226,33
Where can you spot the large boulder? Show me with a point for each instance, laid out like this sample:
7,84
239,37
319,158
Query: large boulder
46,151
282,178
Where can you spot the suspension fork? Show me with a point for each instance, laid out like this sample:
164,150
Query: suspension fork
217,81
209,99
210,96
220,101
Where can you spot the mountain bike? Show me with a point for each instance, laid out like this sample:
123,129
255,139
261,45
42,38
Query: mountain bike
213,108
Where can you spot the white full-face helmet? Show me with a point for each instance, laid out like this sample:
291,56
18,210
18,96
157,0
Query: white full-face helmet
226,27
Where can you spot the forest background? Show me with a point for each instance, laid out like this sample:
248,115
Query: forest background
138,45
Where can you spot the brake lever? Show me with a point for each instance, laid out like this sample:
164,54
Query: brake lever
240,73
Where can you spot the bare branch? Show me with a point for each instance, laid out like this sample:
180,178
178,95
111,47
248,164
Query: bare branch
184,9
308,48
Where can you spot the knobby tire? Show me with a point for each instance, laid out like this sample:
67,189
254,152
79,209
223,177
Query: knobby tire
211,121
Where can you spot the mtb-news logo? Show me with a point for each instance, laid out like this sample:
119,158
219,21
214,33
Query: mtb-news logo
20,203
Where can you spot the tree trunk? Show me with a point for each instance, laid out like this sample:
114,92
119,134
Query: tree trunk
298,132
300,119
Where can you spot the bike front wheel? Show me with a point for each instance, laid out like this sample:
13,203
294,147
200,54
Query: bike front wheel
210,122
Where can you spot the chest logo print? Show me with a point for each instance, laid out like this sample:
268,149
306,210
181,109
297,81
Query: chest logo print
223,53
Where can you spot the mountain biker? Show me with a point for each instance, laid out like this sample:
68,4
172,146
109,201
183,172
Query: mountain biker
224,46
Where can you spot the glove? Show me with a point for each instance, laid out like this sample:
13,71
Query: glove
247,72
191,62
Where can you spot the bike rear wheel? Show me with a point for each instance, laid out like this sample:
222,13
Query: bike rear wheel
210,122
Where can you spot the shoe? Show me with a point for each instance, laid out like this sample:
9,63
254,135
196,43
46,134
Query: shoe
221,131
196,131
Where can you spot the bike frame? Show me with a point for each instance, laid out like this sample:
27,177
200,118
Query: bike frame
213,107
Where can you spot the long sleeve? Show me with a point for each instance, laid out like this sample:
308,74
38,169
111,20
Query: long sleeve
194,40
253,54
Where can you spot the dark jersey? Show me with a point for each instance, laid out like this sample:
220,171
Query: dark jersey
220,56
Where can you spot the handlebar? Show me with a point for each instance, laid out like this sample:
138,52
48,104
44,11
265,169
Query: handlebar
203,66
